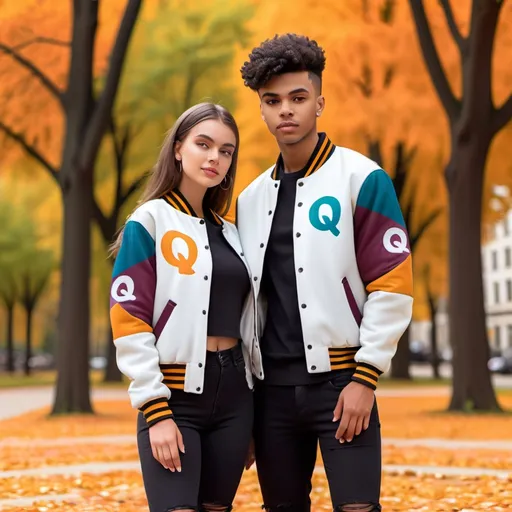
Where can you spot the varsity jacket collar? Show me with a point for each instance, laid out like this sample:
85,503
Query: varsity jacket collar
322,152
178,201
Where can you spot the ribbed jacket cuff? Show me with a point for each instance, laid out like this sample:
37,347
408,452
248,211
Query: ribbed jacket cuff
367,375
156,410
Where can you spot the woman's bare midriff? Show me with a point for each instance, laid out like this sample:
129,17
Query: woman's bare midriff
216,343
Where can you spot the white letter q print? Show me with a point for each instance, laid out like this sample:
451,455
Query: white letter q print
123,294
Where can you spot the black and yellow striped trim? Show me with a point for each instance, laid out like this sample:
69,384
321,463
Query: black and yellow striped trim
343,358
323,151
174,375
178,201
367,375
156,410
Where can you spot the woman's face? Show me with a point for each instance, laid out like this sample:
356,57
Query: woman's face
206,153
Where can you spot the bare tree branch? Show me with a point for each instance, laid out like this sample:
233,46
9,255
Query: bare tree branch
43,40
441,84
427,222
452,25
134,187
502,115
103,107
31,150
50,86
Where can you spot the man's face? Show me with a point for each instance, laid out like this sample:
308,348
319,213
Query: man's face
290,105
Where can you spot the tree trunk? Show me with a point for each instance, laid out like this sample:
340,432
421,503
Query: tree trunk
402,359
72,393
472,387
28,346
433,337
10,339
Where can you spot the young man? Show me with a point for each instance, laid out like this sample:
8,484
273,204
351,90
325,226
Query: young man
328,249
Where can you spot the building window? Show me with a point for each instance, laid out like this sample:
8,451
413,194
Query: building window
497,337
508,259
494,260
509,290
496,293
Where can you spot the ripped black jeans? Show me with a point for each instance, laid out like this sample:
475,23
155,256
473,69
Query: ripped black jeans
290,422
216,427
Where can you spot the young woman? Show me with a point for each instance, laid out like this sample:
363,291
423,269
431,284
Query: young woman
180,286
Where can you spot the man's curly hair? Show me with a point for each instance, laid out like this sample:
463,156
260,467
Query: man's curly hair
282,54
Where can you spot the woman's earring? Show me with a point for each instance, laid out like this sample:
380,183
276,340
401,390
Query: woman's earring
226,181
318,114
179,166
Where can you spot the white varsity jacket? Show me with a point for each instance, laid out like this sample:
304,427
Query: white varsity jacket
352,261
159,302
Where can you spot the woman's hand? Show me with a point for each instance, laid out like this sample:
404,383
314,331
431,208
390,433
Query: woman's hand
166,444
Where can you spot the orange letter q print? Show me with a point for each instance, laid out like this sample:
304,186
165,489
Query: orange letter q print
183,263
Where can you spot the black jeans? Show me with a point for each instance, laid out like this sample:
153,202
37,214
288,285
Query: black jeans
290,421
216,427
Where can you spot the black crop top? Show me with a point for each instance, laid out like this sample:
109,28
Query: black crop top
229,287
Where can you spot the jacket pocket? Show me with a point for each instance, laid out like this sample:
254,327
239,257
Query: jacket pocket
164,318
358,317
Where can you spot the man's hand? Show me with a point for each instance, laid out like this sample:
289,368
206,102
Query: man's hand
354,407
249,460
166,443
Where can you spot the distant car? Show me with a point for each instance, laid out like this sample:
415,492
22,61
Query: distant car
418,352
501,363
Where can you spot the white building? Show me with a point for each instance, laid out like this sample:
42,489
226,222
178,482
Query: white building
497,272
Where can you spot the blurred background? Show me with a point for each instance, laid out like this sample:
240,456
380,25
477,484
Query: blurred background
89,88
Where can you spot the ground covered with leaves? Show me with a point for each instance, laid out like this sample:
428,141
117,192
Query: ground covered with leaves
32,441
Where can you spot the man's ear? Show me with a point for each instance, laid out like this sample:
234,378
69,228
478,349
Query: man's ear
320,105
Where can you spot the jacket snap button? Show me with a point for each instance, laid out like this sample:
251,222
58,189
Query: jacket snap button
262,245
303,306
313,367
206,247
242,254
270,212
198,389
255,278
201,221
309,347
301,184
204,311
275,185
206,278
299,205
297,235
200,365
300,269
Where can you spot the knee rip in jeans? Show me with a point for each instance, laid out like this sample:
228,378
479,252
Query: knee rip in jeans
183,508
215,507
358,507
285,507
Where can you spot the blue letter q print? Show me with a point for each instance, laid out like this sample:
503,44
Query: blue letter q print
324,222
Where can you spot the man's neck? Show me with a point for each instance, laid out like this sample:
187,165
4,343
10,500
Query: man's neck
296,156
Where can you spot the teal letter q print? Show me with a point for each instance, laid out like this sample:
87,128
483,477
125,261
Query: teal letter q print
326,222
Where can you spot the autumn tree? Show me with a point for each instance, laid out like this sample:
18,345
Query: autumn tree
474,120
181,54
86,112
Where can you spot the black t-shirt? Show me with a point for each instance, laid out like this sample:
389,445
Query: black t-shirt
282,343
229,287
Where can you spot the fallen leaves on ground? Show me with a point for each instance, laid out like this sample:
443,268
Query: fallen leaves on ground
19,457
404,417
111,418
123,491
16,457
420,417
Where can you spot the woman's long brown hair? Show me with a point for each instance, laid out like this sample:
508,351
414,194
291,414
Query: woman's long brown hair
166,175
